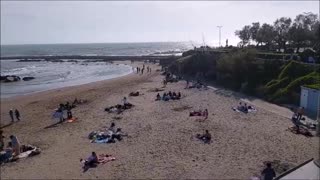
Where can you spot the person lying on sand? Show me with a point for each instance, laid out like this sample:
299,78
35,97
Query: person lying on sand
206,137
196,113
91,161
104,158
134,93
244,108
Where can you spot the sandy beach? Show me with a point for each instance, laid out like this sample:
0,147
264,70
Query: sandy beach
161,143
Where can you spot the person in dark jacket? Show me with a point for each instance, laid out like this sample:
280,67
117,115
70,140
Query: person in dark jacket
17,113
11,115
268,173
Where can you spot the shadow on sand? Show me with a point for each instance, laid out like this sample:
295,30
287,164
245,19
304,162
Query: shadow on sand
7,125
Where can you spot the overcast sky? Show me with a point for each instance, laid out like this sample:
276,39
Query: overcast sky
44,22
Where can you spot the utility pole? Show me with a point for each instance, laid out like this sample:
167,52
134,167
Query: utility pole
219,35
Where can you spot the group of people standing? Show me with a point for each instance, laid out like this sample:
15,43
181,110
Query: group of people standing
16,113
141,70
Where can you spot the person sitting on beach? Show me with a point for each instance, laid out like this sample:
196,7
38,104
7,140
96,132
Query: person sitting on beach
75,101
240,106
126,104
206,137
91,161
268,173
69,114
174,96
112,129
170,94
6,154
15,145
296,122
166,97
1,140
300,112
179,95
67,106
245,108
118,134
158,98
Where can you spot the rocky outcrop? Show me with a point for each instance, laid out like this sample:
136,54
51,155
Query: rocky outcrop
10,78
27,78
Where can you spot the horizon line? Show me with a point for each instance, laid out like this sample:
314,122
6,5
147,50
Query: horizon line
99,43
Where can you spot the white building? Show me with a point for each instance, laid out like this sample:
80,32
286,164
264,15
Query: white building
308,170
309,99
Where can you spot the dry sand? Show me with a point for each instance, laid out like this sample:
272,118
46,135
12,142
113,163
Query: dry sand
161,143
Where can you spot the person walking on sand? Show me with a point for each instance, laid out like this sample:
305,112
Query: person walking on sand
11,115
268,173
17,113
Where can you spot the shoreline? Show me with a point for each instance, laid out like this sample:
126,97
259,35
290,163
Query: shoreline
161,143
72,86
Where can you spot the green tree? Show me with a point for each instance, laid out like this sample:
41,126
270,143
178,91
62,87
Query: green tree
244,35
303,30
266,35
282,27
254,29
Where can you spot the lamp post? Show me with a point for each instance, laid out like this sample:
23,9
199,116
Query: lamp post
318,120
219,35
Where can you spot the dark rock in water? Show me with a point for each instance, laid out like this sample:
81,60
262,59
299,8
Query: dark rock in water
10,78
27,78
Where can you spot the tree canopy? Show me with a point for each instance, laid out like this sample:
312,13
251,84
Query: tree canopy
301,32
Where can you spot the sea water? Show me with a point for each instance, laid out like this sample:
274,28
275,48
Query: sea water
52,75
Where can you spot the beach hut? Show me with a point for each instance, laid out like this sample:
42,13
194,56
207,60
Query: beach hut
309,99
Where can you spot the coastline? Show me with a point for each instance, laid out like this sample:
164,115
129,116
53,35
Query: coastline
160,143
70,86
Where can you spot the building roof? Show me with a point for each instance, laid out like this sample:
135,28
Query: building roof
312,87
307,170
